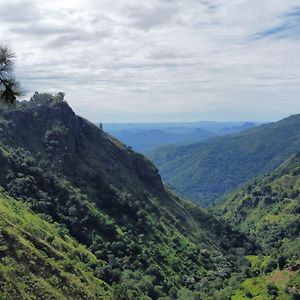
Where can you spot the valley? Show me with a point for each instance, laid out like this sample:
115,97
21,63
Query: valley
91,219
149,150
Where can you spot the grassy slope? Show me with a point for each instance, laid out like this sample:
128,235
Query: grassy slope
39,260
207,170
280,284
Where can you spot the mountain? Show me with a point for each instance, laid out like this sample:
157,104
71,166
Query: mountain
205,171
109,220
221,128
268,209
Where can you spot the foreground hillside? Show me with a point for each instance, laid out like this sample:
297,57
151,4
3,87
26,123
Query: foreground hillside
146,243
207,170
268,210
40,260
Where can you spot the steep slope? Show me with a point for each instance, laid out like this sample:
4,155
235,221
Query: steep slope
112,200
207,170
268,210
39,260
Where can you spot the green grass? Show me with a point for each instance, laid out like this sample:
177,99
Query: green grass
38,259
257,287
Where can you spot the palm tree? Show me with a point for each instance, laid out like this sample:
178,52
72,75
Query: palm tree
10,89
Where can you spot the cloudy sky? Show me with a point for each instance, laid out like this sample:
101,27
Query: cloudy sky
160,60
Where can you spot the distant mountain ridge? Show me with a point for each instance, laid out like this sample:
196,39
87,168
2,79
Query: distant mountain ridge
145,137
207,170
147,140
235,129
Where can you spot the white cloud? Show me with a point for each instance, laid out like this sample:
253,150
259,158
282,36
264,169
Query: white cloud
161,59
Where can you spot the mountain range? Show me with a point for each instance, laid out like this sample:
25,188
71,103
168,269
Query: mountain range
207,170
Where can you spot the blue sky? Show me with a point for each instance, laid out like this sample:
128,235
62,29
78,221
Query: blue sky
160,60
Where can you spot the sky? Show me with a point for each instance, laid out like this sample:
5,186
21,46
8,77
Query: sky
160,60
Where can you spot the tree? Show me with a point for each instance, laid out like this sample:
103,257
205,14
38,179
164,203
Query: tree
272,290
10,89
281,262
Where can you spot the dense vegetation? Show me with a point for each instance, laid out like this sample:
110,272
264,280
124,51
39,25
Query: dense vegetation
205,171
268,210
142,242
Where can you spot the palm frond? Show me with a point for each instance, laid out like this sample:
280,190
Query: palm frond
6,58
10,89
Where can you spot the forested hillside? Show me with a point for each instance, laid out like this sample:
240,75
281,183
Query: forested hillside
206,171
145,242
268,210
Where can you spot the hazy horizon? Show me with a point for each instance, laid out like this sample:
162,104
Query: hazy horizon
180,122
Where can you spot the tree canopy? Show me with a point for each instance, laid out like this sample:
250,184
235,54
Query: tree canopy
10,89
